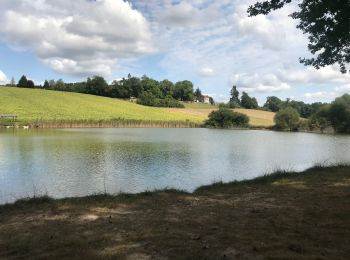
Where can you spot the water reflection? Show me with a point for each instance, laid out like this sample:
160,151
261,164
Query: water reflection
79,162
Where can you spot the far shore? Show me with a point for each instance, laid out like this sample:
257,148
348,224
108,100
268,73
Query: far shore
283,215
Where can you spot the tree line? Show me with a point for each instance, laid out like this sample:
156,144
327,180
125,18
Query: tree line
145,90
296,115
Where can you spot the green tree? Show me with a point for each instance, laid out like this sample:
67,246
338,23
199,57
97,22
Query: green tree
234,100
226,118
184,90
23,82
46,85
30,84
167,87
198,95
151,86
287,119
60,85
212,101
339,113
273,104
248,102
96,86
325,22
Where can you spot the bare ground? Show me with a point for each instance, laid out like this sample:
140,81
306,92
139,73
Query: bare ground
283,216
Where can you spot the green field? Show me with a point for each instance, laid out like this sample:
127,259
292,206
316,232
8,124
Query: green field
60,109
33,105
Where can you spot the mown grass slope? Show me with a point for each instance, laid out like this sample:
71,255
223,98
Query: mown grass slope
33,105
257,118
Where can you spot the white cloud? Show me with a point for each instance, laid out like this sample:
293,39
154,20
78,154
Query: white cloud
256,83
273,31
206,72
310,75
77,38
343,89
185,14
337,91
3,78
318,95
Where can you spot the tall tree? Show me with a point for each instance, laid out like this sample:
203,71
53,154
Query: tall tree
327,24
273,104
167,87
198,95
248,102
96,86
46,85
234,100
23,82
184,90
30,84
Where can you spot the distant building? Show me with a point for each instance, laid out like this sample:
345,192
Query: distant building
206,99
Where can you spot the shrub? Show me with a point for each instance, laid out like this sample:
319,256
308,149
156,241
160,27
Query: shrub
339,114
287,119
148,100
226,118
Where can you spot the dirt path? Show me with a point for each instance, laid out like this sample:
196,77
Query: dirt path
300,217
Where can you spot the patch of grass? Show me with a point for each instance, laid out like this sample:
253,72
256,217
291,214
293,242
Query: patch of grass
195,105
36,105
257,118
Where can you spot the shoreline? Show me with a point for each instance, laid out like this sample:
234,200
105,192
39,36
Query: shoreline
264,179
282,215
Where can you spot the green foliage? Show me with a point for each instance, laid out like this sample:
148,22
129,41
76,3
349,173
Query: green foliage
273,104
198,95
30,84
226,118
46,85
339,114
287,119
234,100
325,22
148,99
184,90
167,87
96,86
23,82
248,102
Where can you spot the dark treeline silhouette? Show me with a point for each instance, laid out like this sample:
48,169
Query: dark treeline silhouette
144,90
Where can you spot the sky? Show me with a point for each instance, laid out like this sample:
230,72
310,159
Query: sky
212,43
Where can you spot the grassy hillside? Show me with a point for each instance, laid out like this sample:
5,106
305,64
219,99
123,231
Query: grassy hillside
33,105
258,118
45,106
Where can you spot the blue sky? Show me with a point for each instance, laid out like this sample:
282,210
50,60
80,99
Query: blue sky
212,43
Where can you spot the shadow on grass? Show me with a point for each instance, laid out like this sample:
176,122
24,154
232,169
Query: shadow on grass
211,223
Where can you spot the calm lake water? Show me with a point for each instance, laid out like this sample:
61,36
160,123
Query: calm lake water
79,162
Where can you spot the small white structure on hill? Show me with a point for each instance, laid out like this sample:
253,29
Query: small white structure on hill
206,99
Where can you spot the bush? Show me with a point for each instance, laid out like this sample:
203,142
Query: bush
226,118
287,119
339,114
148,100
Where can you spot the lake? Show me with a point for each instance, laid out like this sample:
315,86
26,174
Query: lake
80,162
